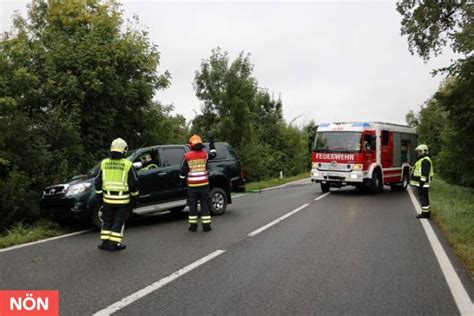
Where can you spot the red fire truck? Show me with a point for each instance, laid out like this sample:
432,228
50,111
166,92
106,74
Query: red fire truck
363,154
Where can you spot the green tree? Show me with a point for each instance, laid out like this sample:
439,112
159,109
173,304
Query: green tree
236,110
432,125
430,26
227,91
73,76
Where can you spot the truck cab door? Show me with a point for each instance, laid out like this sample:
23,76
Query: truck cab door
172,159
150,180
370,147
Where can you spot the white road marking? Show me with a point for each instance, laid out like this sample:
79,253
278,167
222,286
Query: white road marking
155,286
44,240
458,291
261,229
321,196
285,184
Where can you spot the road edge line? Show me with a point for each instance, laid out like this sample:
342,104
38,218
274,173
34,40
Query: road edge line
44,240
115,307
276,221
459,293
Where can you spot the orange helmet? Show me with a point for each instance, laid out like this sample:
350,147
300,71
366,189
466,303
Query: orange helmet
194,140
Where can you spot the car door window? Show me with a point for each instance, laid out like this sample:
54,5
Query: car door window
221,151
174,156
149,159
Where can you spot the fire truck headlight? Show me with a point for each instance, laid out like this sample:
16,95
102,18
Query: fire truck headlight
354,176
357,167
315,174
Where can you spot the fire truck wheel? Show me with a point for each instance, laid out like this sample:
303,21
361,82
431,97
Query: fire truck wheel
376,184
402,186
325,187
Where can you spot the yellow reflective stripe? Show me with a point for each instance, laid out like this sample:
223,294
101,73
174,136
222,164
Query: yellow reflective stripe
206,217
104,237
116,201
117,239
98,191
116,234
207,221
192,219
423,179
117,197
134,193
103,231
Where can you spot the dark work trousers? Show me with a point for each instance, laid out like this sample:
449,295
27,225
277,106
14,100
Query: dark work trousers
201,194
114,218
423,194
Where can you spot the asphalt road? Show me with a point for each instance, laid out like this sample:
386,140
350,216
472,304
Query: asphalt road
346,253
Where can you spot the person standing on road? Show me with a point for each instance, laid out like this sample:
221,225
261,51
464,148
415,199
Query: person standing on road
194,168
421,178
117,186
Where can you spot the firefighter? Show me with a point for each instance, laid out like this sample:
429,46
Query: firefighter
421,177
194,168
117,186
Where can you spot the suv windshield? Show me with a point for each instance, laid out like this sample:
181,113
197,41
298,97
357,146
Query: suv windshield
337,142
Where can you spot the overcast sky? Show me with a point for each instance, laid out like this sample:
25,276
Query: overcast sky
330,61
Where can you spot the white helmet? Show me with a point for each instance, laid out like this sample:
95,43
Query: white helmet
119,145
422,148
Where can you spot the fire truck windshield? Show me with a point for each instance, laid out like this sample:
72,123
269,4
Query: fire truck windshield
337,142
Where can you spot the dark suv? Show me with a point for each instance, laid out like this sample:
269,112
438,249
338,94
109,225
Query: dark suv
160,187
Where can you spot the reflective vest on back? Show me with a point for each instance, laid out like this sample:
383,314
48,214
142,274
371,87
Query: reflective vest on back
197,163
416,175
115,180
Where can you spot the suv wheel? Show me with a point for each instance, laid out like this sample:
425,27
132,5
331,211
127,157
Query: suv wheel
96,220
218,201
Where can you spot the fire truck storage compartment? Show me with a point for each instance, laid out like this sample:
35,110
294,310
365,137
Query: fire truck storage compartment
403,148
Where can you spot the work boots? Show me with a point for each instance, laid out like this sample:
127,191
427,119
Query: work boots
206,227
424,215
111,246
118,246
105,245
193,227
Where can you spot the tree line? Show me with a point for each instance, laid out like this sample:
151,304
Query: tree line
446,121
74,75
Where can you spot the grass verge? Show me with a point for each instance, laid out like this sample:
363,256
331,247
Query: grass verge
21,233
453,210
256,186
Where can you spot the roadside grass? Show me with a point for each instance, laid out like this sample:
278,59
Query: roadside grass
453,211
21,233
257,186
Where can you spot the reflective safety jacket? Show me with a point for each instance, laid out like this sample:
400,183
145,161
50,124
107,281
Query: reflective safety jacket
422,172
194,166
116,181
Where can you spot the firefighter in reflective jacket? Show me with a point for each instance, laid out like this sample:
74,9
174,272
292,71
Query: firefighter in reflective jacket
194,168
421,178
117,186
